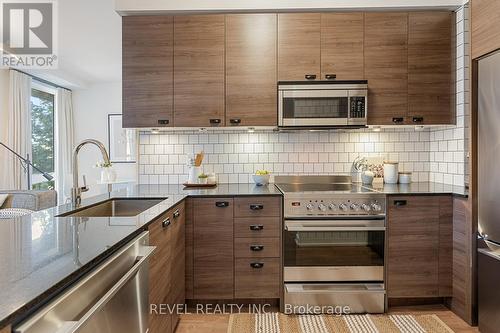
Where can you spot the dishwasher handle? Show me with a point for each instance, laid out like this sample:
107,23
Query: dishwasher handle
147,251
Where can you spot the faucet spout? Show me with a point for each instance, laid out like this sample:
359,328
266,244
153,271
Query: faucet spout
76,190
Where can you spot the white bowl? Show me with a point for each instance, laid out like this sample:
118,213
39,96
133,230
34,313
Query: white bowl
261,179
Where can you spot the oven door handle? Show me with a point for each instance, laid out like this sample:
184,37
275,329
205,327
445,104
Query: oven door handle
338,225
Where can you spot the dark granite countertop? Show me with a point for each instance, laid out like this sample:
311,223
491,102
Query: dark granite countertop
419,188
41,254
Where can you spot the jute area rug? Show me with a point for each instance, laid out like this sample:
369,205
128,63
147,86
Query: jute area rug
390,323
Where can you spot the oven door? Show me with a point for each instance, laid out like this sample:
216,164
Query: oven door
334,250
313,107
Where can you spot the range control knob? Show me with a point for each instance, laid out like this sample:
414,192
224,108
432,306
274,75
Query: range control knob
322,207
343,207
309,206
354,206
376,207
332,206
365,207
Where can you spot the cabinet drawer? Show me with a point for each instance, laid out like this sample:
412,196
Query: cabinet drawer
257,206
256,247
257,278
257,227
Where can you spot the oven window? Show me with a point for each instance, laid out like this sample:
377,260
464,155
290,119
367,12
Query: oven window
319,107
334,248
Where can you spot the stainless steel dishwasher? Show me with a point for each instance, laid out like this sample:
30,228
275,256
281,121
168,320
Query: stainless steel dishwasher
113,298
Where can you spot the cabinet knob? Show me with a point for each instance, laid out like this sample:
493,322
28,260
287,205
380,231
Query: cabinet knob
257,264
165,223
399,203
310,76
256,227
235,121
215,121
222,204
418,119
163,122
256,247
176,214
330,76
256,206
397,120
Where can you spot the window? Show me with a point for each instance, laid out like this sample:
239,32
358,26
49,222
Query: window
42,135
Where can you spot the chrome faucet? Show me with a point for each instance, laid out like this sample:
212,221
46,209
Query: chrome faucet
76,190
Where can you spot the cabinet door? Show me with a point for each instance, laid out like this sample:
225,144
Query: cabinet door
342,36
147,47
485,27
413,246
430,61
386,67
178,253
299,45
213,248
159,270
251,70
199,70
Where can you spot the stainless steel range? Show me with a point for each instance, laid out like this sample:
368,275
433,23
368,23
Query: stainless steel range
333,243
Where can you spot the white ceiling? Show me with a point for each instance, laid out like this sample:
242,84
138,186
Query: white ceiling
89,44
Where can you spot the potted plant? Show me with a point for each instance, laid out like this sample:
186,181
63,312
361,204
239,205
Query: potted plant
203,178
107,172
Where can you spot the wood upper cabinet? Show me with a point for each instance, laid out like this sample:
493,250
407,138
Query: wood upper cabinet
342,36
431,56
386,67
147,78
251,70
299,46
213,248
199,70
485,27
419,237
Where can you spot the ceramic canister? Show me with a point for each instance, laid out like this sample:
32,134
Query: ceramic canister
391,172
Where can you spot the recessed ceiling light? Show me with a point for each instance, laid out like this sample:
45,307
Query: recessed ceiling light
155,131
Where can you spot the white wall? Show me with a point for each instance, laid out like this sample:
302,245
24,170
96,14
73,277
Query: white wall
91,108
124,6
4,111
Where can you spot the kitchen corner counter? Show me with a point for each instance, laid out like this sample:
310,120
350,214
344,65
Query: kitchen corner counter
420,188
42,253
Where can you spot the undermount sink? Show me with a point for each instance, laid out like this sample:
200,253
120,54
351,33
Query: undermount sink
114,208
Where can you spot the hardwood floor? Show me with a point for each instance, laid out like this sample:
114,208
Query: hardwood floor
218,323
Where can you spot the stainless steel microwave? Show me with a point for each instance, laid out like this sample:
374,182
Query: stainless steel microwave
322,104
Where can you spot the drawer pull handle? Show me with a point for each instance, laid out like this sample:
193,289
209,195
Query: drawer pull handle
215,121
310,76
256,207
235,121
418,119
397,120
330,76
163,122
257,264
399,203
165,223
256,227
222,204
176,214
256,248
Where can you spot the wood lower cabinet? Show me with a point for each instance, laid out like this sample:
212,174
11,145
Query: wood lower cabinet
199,70
342,36
166,272
431,58
386,67
231,255
213,248
299,46
418,239
147,71
485,27
251,70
